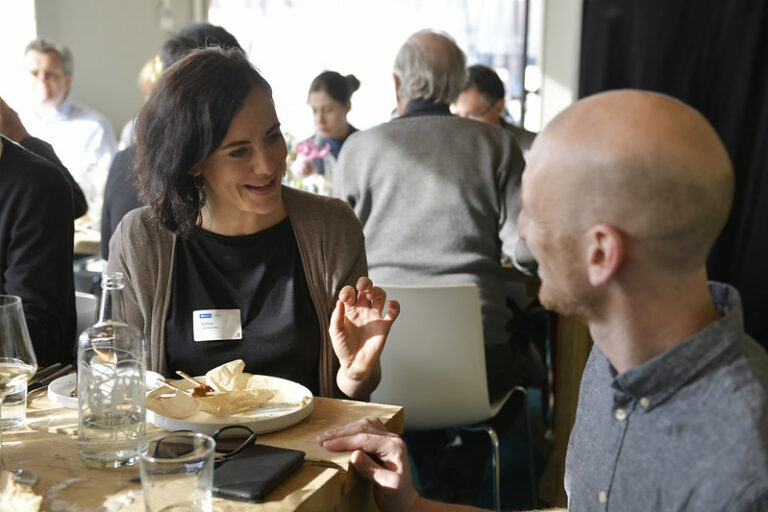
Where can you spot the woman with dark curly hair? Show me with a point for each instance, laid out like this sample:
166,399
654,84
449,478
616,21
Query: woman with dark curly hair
225,263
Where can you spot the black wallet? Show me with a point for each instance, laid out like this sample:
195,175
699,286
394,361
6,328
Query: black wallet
253,473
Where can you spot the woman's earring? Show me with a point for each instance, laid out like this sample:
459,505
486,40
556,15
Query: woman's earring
200,186
203,198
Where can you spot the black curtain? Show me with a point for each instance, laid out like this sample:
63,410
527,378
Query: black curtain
713,55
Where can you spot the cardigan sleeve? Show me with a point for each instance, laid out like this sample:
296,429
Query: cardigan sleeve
121,257
332,247
143,250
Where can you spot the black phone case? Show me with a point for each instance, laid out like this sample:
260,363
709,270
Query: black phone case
253,473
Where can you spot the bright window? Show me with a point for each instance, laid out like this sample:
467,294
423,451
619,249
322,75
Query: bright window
292,41
17,28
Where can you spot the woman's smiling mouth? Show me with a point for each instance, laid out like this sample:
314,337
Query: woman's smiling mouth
261,189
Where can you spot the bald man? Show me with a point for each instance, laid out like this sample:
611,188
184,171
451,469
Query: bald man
623,196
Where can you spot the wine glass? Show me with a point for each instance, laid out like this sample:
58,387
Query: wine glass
17,363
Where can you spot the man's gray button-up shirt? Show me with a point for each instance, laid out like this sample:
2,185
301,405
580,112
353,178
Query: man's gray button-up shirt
687,430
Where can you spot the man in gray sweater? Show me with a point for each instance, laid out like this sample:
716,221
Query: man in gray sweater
438,194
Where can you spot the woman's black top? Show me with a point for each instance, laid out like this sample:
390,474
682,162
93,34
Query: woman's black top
262,276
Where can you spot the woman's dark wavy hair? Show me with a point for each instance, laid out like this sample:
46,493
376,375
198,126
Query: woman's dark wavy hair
182,123
338,87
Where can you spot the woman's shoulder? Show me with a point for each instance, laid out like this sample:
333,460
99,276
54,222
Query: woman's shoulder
140,244
321,217
306,204
141,226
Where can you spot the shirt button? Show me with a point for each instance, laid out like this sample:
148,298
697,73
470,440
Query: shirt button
602,496
620,414
645,402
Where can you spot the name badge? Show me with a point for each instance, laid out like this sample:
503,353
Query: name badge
216,324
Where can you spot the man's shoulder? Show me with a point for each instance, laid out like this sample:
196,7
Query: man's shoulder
726,409
27,167
737,378
740,385
80,112
369,133
410,130
123,161
318,208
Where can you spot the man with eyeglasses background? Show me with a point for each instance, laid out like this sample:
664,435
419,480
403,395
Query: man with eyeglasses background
482,99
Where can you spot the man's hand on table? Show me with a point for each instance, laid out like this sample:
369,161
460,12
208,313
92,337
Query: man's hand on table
358,332
391,473
381,456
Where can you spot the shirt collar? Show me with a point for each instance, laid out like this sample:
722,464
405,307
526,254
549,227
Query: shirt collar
334,144
662,376
425,107
62,111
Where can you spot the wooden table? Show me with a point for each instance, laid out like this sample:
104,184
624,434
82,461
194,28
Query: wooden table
48,446
87,241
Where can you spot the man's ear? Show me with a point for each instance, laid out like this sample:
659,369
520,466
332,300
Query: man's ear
498,107
400,105
605,253
68,81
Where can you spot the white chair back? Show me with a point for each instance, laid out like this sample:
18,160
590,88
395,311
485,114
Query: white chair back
433,363
86,306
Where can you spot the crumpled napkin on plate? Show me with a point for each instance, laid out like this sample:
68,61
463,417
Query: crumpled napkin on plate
17,497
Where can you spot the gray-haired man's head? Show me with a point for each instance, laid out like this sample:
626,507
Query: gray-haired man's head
429,66
50,68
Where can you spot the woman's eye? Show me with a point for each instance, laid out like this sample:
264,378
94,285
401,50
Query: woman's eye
274,137
238,152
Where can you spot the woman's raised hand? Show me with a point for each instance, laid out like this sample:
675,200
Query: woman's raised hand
358,331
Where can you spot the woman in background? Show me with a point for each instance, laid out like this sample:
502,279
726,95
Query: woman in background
329,96
224,263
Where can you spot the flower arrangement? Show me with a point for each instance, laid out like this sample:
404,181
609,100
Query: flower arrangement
301,171
306,152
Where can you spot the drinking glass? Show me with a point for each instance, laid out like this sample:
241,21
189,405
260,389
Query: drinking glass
177,472
17,362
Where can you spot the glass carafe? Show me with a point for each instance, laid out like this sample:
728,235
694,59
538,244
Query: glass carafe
111,384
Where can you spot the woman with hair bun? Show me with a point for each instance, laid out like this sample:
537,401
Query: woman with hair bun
329,96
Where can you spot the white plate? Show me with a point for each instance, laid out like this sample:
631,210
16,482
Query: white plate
59,389
263,419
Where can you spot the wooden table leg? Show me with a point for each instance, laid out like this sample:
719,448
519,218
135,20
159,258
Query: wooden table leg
572,345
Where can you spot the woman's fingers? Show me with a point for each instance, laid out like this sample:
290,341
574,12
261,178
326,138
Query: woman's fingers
337,317
378,299
364,289
363,284
393,310
347,296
